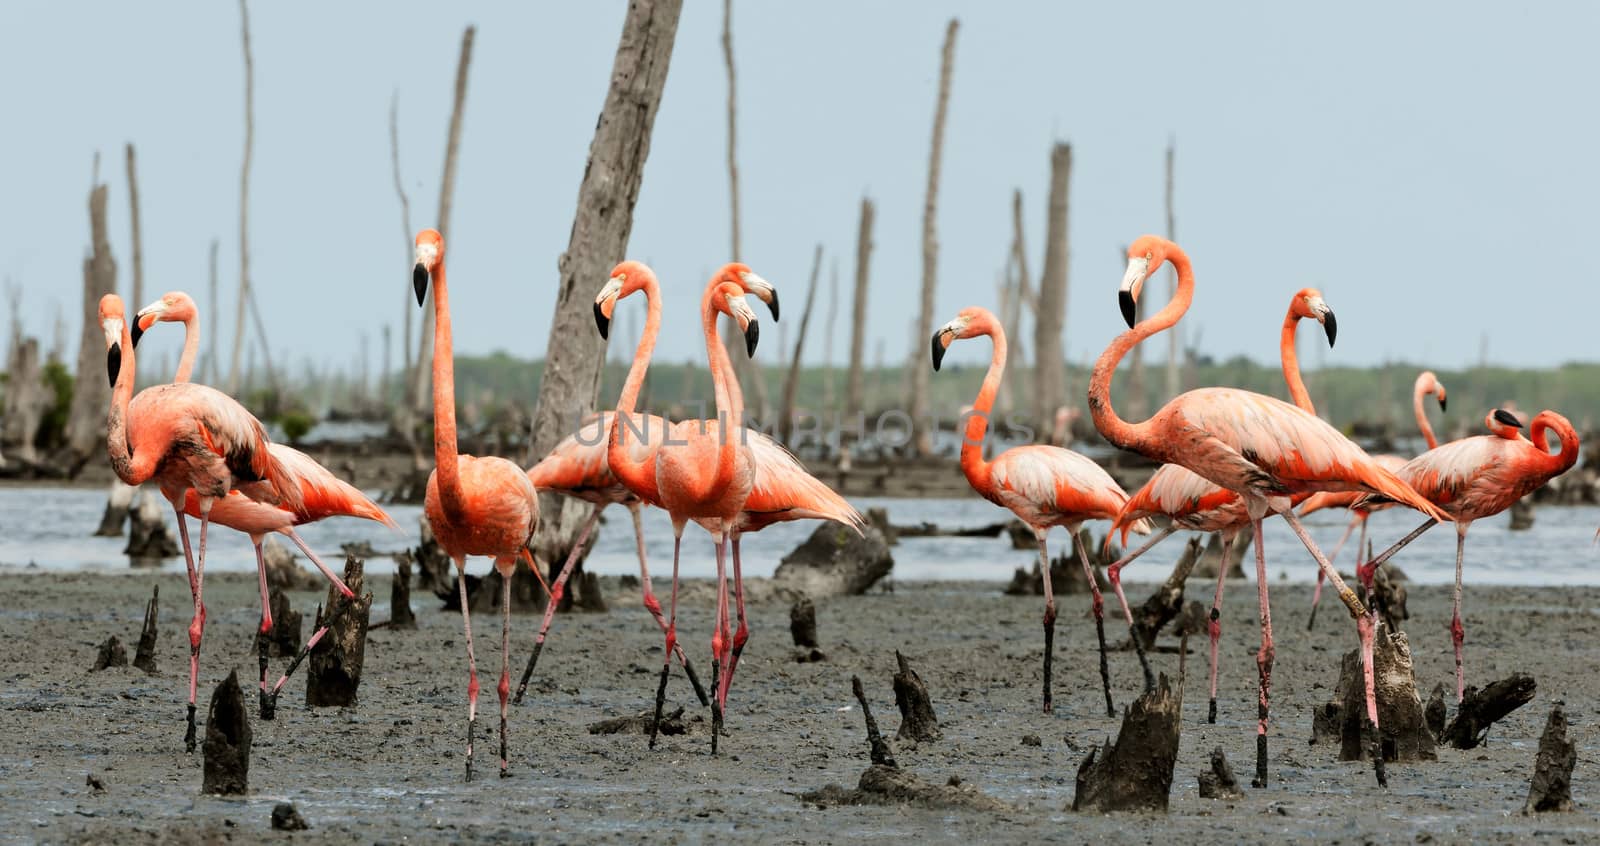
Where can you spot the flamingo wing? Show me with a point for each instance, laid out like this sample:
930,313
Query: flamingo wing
782,489
1471,477
1185,497
324,494
1056,482
578,462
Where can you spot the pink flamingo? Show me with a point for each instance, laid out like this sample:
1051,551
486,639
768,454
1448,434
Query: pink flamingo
1427,383
324,494
1479,477
1045,486
475,505
1262,448
187,437
1191,502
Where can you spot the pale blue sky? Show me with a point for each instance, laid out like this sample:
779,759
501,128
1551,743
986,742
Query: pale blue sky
1430,166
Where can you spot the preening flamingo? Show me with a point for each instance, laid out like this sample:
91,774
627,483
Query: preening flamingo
323,494
1427,383
1191,502
1479,477
1045,486
188,438
1262,448
475,506
701,470
577,465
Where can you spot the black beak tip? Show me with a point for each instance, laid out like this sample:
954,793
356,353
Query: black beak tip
1442,405
137,332
114,363
938,352
602,322
1507,418
773,306
1129,309
419,282
752,334
1330,327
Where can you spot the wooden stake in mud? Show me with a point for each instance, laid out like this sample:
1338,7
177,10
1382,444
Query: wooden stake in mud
1482,708
338,649
1551,788
803,622
145,656
917,721
400,615
227,744
882,754
1135,772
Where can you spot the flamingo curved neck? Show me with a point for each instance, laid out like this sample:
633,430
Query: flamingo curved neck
1563,459
131,469
972,462
720,365
445,455
616,457
1418,392
1291,363
191,348
1114,428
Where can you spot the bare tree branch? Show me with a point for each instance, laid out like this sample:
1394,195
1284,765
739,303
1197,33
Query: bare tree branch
138,244
923,441
792,382
854,389
244,195
1049,363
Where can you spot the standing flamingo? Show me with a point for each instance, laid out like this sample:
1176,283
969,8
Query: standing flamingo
1191,502
1045,486
1479,477
1427,383
324,494
186,437
1262,448
475,506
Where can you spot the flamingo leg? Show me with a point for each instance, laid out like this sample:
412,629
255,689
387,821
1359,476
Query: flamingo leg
508,568
1316,593
719,640
1049,612
197,626
1458,633
1114,574
183,535
742,635
1214,623
327,573
1264,659
472,662
316,637
671,634
654,606
1364,571
267,709
1099,607
554,600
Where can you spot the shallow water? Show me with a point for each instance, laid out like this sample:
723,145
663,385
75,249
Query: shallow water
48,528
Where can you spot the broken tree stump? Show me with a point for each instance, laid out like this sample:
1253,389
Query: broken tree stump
1135,772
880,751
284,639
527,595
803,628
111,654
119,500
145,656
1551,786
1167,601
1435,711
435,572
1521,515
1480,709
835,561
149,540
1219,782
400,614
1403,732
227,744
334,672
1066,573
917,721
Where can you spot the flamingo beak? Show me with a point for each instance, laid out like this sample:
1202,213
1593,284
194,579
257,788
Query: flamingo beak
1442,406
138,330
1507,418
602,322
1330,327
1132,281
938,349
419,282
763,290
752,334
772,304
114,362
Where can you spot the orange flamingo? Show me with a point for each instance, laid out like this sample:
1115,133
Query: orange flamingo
475,505
188,438
577,465
1479,477
1045,486
324,494
1262,448
1190,502
1427,383
700,471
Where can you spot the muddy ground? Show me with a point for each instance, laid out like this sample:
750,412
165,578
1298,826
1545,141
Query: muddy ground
391,769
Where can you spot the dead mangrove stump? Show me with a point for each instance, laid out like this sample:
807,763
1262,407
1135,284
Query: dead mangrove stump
149,540
1389,593
286,817
1435,711
1521,515
145,656
1166,603
111,654
400,614
879,750
227,744
1403,733
1481,709
334,674
1135,772
1551,786
835,561
640,723
917,720
1219,782
1066,573
527,595
283,641
119,501
803,628
435,572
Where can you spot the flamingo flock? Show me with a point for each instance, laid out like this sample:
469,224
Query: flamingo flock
1230,459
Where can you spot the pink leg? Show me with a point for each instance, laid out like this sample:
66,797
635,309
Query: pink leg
1364,566
1114,573
326,572
472,662
508,568
265,631
1316,593
1458,633
720,637
554,600
197,626
1263,660
316,637
183,535
741,636
1049,612
672,632
1214,625
654,607
1098,605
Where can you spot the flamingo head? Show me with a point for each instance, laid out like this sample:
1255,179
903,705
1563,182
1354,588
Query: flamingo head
969,323
429,253
740,274
173,307
729,300
1145,256
112,322
1308,304
626,278
1504,424
1428,383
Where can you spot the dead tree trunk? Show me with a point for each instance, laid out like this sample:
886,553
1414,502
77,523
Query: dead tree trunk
145,656
421,369
27,399
138,246
227,745
854,389
1135,772
91,394
149,540
918,406
600,229
244,197
747,369
828,359
791,383
1050,315
404,417
1175,336
1551,786
210,364
334,672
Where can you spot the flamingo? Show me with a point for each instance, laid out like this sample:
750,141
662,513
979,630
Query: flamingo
474,505
577,465
701,470
1427,383
188,438
1479,477
1262,448
1045,486
1191,502
324,494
